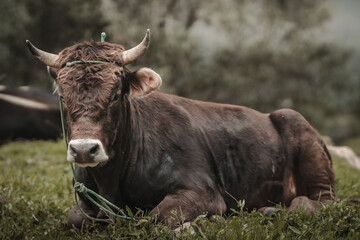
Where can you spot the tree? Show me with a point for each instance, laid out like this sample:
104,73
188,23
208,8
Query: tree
50,25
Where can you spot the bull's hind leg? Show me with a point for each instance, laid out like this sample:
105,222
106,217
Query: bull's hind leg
311,162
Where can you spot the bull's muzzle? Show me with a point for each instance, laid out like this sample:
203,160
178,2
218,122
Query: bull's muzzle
86,152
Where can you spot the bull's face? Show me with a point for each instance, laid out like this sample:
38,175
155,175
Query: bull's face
94,95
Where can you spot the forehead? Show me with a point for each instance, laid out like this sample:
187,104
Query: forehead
83,79
87,89
79,78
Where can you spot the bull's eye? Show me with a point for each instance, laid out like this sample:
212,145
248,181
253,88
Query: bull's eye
115,97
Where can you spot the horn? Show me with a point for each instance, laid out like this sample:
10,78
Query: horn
132,54
47,58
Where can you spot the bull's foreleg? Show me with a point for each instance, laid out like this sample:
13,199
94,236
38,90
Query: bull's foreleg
77,219
185,205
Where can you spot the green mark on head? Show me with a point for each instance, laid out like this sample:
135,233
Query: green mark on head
103,36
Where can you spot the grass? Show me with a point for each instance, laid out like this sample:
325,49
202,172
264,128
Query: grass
36,196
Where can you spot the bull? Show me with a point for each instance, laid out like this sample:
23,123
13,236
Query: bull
168,154
28,113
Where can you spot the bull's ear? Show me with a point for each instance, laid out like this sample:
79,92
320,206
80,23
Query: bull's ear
144,82
52,72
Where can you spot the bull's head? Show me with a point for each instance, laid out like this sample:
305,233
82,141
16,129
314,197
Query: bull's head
95,87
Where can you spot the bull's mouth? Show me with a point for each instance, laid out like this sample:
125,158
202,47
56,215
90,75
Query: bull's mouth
84,165
86,152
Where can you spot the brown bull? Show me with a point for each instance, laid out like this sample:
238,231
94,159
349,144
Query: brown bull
165,153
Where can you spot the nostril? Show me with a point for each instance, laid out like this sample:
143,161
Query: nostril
94,150
72,151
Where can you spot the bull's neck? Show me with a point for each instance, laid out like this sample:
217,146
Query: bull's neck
137,120
127,138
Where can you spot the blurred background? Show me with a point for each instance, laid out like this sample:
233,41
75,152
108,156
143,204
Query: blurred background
265,55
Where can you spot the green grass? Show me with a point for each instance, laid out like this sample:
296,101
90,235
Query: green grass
36,196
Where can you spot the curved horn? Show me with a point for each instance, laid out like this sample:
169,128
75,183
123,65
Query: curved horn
132,54
47,58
